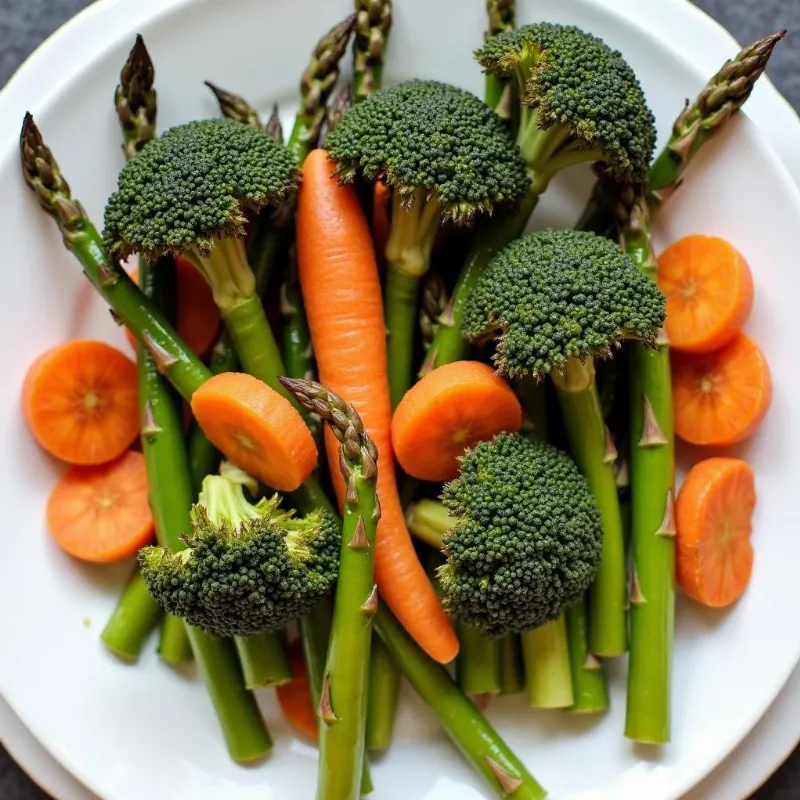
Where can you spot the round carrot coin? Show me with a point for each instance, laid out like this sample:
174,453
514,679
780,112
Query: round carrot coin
101,513
709,291
256,428
80,402
447,412
713,515
721,398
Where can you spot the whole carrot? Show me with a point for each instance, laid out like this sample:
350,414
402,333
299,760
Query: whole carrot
342,295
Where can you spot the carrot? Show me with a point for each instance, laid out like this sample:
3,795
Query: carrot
380,218
713,515
198,318
709,290
342,297
256,428
450,410
721,398
295,697
101,513
80,402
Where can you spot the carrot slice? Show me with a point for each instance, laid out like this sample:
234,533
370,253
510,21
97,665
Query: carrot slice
295,697
721,398
198,317
709,290
713,516
450,410
101,513
256,429
80,402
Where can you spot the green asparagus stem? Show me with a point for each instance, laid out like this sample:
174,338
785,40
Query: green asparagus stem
589,688
652,480
545,653
317,85
478,662
235,107
174,647
384,690
343,703
511,671
133,620
497,92
592,448
373,23
400,296
478,742
263,659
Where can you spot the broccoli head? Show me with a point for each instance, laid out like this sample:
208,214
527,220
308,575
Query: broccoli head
527,537
557,296
581,101
187,193
248,568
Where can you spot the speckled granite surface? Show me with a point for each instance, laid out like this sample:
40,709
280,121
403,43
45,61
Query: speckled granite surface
25,23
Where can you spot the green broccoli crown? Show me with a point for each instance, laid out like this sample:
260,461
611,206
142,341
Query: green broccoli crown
431,136
574,80
249,574
192,186
527,539
557,295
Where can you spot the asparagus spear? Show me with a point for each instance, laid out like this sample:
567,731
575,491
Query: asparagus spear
478,742
434,300
497,92
699,122
343,704
340,103
373,23
137,612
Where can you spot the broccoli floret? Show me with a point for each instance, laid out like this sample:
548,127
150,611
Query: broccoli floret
527,537
581,101
249,568
187,193
560,296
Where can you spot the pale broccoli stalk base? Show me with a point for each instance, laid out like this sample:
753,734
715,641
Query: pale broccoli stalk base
545,655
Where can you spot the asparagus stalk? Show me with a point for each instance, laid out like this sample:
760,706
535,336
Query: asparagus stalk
699,122
133,620
373,23
497,92
512,679
343,704
589,687
478,742
434,301
652,457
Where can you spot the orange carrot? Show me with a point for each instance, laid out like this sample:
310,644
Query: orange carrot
256,428
709,290
713,515
101,513
295,697
80,402
380,219
342,296
721,398
450,410
198,318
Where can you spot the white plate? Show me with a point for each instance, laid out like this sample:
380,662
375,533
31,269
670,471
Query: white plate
728,668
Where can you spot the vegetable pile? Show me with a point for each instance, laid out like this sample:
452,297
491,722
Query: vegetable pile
497,509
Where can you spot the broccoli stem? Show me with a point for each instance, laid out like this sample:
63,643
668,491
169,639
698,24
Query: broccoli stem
478,742
589,688
511,670
133,620
343,703
587,437
400,298
652,479
501,14
263,659
384,690
373,23
545,654
493,234
478,662
174,647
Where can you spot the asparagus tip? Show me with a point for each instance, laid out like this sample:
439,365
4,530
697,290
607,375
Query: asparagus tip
273,126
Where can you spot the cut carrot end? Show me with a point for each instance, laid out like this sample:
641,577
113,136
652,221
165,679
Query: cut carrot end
709,289
80,402
101,514
714,513
295,697
721,398
256,428
447,412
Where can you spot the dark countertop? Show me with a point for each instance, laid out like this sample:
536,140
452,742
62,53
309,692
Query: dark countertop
25,23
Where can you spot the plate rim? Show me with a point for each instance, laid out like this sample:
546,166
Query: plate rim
121,17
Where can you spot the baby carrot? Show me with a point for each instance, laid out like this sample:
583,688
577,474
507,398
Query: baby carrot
294,697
